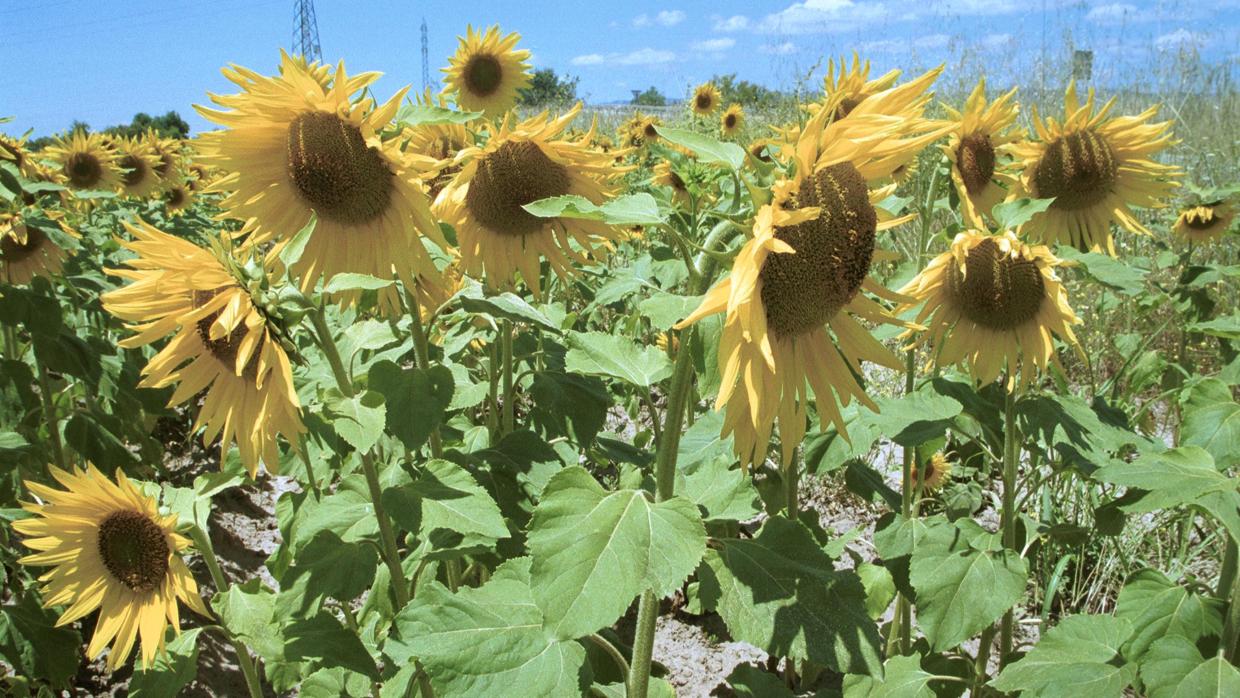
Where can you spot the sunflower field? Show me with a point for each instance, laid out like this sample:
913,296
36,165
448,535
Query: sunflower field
901,395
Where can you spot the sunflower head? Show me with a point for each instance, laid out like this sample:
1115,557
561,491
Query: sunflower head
1096,169
706,98
14,151
487,71
1206,214
139,165
732,120
846,88
994,302
933,472
110,550
177,198
85,161
27,251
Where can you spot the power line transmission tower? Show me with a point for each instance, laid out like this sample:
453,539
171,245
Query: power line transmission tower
306,31
426,63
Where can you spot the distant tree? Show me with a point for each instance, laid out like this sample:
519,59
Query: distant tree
743,92
548,88
170,125
651,98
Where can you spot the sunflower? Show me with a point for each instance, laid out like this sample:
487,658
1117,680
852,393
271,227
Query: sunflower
178,197
223,344
1096,169
14,150
26,251
937,469
706,98
802,272
110,549
294,149
1205,222
139,164
85,161
905,173
518,165
732,120
439,143
993,301
760,152
487,71
665,175
844,90
167,156
980,137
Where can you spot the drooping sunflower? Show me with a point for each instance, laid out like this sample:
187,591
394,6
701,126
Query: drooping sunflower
706,98
1206,215
167,156
178,197
487,71
223,344
981,135
1097,169
520,164
993,302
665,175
26,251
85,161
294,149
796,284
933,472
732,120
110,549
851,86
14,150
139,165
439,142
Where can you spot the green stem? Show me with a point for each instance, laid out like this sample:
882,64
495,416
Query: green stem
904,608
203,543
983,658
1011,456
643,645
611,650
509,422
1229,588
49,413
421,352
387,535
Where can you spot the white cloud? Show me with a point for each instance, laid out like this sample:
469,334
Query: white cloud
996,40
715,45
670,18
734,23
1180,39
783,49
822,16
642,20
931,41
1112,12
643,56
979,7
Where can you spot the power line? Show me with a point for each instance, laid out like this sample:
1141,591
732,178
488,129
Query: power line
306,31
426,66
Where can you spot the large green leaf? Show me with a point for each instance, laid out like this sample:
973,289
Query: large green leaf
327,566
32,644
429,114
348,512
664,309
508,306
322,640
779,592
486,641
722,491
1085,436
359,419
171,671
415,399
902,677
1170,661
446,497
915,418
1181,476
1212,421
630,209
707,149
1107,270
1213,678
594,551
616,356
1158,607
964,580
248,611
1079,657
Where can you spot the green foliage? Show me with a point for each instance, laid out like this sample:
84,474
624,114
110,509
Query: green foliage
547,89
650,97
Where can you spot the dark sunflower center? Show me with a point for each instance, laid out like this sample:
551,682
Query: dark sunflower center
175,196
15,153
225,348
802,291
995,290
1078,169
845,107
517,173
1201,221
650,132
164,166
12,251
703,101
335,172
729,121
83,170
134,550
483,75
975,158
134,170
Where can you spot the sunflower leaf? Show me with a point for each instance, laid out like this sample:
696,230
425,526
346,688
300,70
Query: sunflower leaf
902,677
631,209
359,419
614,356
1158,607
322,640
1011,215
356,282
1212,421
594,551
1108,271
508,306
1079,657
171,671
429,115
708,149
415,399
292,251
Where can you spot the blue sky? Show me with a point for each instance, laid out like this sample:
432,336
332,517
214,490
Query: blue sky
102,62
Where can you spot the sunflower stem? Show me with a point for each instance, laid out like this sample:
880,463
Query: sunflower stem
422,355
1011,454
509,422
387,535
203,543
49,413
665,479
